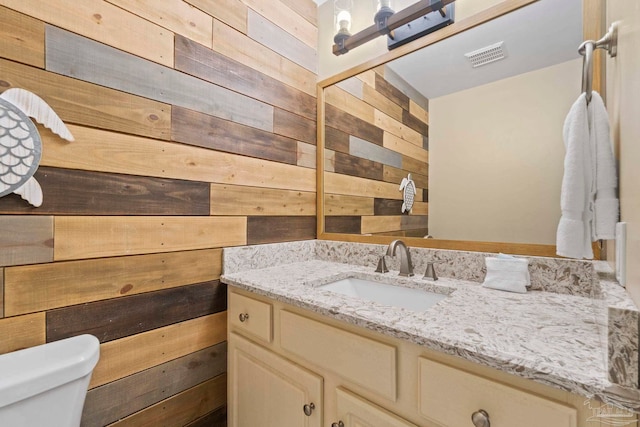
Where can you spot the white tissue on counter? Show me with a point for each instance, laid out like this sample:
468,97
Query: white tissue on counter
507,273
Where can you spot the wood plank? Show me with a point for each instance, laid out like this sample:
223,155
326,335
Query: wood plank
338,119
84,59
1,293
367,150
414,123
329,162
382,103
178,17
339,205
273,229
135,353
118,399
47,286
70,192
343,224
209,65
387,207
116,318
414,222
395,175
105,23
420,208
395,127
418,112
354,186
84,103
308,9
346,102
105,151
217,418
182,408
368,77
195,128
306,155
118,235
391,92
255,201
336,140
399,145
275,38
357,166
284,17
25,239
17,333
352,85
381,224
241,48
294,126
21,38
415,166
231,12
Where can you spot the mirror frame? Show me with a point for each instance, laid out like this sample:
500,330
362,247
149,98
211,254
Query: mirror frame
593,28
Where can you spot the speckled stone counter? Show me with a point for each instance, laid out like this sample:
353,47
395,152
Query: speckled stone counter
557,337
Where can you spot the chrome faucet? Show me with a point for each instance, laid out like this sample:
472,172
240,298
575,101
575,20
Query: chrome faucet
406,267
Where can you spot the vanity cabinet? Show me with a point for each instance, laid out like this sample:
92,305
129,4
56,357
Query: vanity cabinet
268,390
293,367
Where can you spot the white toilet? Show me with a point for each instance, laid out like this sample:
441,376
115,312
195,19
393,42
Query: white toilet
46,385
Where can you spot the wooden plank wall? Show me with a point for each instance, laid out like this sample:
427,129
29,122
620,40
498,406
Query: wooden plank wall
375,134
195,129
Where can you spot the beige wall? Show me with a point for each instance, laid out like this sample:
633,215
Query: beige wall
496,157
623,89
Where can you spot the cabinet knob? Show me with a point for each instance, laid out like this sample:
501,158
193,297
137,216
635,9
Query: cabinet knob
308,409
338,424
480,418
244,316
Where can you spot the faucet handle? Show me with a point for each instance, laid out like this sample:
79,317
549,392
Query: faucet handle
382,266
430,273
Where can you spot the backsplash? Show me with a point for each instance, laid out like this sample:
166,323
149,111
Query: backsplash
561,276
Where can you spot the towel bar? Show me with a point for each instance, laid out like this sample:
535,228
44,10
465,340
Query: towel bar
608,42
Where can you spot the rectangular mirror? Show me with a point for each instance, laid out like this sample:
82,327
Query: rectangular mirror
482,140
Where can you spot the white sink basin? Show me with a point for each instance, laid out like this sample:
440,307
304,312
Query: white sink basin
398,296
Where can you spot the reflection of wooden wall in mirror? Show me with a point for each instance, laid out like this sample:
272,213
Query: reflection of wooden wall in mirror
358,194
374,136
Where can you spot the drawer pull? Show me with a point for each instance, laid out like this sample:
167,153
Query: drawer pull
338,424
244,317
308,409
480,418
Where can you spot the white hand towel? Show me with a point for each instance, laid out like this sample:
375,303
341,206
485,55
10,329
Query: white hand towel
606,202
573,238
507,274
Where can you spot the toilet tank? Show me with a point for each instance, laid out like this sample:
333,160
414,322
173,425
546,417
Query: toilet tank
46,385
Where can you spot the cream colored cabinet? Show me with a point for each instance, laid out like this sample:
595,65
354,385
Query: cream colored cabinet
291,367
354,411
452,397
268,390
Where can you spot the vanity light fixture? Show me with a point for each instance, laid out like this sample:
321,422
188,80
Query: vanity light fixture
413,19
342,13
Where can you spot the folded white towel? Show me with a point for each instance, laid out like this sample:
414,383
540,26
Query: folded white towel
507,273
573,238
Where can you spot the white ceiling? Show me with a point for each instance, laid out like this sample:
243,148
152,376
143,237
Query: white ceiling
542,34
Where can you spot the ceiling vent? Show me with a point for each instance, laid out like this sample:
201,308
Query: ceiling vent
486,55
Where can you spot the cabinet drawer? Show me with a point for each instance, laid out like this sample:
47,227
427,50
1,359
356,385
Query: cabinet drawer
354,411
363,361
450,396
250,316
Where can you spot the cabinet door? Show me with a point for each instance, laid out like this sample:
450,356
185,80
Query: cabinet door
354,411
269,391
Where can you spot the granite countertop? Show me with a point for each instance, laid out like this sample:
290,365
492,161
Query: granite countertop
556,339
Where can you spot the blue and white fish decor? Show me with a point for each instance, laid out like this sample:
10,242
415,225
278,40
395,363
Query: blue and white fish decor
409,194
20,143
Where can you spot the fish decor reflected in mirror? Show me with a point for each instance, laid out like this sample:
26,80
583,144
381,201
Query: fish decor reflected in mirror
20,142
